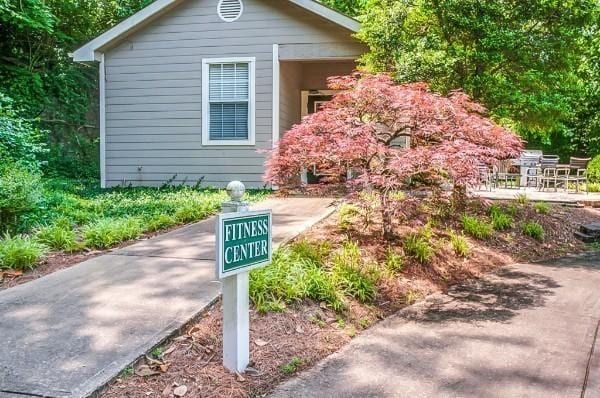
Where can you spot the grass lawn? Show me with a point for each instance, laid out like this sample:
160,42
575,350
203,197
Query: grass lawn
77,215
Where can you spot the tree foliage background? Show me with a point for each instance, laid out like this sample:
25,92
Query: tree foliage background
44,86
535,64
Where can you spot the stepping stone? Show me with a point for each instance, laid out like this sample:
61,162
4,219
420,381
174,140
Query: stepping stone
585,238
591,229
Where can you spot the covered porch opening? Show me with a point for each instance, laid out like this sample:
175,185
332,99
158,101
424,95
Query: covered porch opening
303,89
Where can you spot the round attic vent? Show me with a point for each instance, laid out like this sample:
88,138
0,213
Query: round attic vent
230,10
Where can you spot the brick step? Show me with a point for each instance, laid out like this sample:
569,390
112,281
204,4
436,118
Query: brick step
591,229
585,238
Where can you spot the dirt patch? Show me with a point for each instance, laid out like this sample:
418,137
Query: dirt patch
297,338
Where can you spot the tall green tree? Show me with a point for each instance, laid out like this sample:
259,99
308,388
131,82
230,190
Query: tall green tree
36,37
520,58
352,8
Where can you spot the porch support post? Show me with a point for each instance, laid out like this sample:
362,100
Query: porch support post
276,73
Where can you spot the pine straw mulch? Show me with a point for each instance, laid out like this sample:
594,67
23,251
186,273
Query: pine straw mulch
190,365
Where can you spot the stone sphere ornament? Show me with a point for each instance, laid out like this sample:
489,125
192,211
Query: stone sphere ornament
236,190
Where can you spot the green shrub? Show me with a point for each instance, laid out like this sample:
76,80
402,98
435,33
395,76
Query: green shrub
593,170
460,245
59,236
108,232
292,277
347,216
159,222
418,246
534,230
350,275
477,228
512,209
20,194
20,140
542,207
192,211
369,203
592,187
298,272
315,251
394,262
522,199
20,252
501,221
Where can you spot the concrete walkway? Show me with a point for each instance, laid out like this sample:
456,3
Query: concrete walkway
526,331
70,332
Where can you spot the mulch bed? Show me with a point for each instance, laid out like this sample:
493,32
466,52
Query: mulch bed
190,365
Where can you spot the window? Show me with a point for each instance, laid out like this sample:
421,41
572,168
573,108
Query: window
228,101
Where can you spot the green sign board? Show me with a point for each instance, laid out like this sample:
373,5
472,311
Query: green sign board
244,241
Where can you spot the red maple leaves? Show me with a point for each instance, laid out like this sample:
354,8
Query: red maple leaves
450,137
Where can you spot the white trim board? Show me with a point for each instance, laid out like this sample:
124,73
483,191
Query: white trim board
90,52
102,93
276,94
251,141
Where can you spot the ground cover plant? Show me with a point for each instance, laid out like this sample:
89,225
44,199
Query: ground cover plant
71,216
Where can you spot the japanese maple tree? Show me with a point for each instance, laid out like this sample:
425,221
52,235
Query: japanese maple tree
450,139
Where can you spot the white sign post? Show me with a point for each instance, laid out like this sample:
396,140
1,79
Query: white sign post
243,243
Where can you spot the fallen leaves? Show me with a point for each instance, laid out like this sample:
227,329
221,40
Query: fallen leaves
260,342
180,391
10,273
146,371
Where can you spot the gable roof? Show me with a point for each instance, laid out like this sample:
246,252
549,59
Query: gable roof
90,51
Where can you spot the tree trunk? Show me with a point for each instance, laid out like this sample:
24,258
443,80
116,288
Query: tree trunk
459,198
386,217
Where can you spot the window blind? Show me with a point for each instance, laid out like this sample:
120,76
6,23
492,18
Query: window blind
229,101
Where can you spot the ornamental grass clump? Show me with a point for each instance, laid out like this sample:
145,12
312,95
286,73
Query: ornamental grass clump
534,230
500,220
542,208
297,272
351,276
418,246
59,236
310,270
477,228
108,232
459,243
394,262
20,252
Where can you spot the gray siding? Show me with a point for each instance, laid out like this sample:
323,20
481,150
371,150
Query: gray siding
153,90
289,95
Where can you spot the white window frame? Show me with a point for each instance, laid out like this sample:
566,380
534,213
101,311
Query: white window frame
251,141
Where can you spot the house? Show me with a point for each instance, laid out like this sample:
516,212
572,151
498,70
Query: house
194,89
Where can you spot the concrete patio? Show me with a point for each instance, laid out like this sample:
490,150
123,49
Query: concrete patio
571,197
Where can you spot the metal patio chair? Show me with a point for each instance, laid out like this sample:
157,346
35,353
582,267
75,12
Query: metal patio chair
548,177
578,171
504,173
